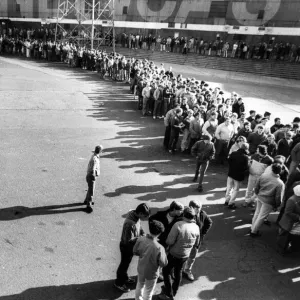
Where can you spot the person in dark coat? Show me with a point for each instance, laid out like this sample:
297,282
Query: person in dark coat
168,218
238,107
204,150
238,166
284,145
204,222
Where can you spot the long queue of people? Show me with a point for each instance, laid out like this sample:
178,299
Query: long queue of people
214,127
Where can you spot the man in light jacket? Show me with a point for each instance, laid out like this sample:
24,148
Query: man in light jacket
183,236
269,190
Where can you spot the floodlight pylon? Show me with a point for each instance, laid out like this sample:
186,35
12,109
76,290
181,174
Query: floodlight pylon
92,22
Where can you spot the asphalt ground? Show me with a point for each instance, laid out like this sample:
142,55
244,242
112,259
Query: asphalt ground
51,117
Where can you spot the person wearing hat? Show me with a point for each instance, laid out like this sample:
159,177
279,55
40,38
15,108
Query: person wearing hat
204,151
183,236
289,231
204,222
93,171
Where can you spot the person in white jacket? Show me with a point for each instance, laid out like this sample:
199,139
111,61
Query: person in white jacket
259,162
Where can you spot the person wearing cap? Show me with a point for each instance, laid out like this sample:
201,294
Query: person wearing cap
93,171
204,222
286,240
131,231
183,236
204,151
269,191
238,163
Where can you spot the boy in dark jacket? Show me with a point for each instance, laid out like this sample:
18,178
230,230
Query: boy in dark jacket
204,150
131,231
238,165
204,222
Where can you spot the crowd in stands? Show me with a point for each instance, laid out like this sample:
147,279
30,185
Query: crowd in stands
215,127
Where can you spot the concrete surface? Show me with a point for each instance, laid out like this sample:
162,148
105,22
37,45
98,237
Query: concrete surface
51,117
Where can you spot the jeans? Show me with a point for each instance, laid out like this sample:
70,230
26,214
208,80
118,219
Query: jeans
91,187
176,264
144,288
261,212
232,189
249,197
201,167
126,257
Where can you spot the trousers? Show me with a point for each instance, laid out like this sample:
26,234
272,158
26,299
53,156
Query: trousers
91,187
232,190
249,197
126,257
144,288
176,264
201,167
261,212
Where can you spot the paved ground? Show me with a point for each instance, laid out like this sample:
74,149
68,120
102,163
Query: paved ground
51,117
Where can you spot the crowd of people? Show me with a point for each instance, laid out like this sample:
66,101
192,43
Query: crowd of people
218,47
271,50
215,127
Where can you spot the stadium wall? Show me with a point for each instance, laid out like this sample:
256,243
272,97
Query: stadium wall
206,18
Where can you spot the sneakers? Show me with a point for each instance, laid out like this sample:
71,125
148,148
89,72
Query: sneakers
123,288
154,117
189,275
89,209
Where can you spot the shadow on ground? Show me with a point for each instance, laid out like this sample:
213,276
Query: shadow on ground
19,212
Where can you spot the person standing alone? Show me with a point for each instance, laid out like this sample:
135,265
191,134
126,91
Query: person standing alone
93,171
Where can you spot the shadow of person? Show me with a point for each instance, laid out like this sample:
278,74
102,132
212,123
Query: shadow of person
19,212
100,290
